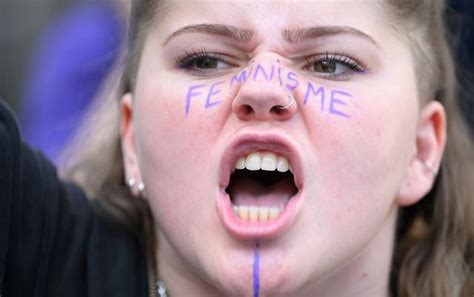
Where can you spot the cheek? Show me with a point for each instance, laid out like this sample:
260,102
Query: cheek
166,129
361,161
176,154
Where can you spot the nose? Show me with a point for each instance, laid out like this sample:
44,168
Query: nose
262,97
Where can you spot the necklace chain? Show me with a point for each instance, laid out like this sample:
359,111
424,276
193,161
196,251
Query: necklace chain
161,289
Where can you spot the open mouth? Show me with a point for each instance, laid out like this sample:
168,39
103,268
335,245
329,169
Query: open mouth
260,187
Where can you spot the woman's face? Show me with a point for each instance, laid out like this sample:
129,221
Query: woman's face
211,85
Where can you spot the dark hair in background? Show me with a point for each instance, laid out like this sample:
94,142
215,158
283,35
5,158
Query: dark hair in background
461,23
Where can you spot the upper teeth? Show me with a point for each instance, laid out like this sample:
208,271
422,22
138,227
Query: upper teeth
263,161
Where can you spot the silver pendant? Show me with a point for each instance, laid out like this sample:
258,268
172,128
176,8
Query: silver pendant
161,289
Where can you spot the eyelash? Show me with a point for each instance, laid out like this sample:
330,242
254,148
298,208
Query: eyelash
354,65
186,60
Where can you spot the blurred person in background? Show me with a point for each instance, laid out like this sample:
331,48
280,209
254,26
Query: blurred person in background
17,39
70,62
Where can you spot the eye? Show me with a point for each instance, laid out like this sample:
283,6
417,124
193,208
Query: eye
334,66
205,63
201,61
328,67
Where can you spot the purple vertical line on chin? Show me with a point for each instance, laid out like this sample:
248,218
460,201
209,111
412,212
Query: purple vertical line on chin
256,270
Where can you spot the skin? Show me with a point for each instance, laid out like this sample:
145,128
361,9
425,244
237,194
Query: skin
357,171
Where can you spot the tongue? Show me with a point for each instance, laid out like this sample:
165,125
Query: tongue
249,191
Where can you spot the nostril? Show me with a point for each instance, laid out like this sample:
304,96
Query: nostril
271,106
246,109
277,110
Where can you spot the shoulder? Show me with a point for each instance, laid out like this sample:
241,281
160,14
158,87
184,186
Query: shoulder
52,239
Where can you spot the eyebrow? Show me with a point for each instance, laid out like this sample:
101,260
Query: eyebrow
235,33
300,34
290,35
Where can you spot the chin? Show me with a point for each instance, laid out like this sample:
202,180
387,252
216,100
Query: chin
275,276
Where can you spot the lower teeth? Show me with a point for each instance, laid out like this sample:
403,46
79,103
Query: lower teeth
257,213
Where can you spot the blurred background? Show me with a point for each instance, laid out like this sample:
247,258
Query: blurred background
55,55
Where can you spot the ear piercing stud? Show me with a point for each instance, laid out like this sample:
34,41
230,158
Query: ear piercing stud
429,166
141,187
291,101
131,182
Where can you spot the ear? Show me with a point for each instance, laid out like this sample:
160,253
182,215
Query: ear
429,148
127,133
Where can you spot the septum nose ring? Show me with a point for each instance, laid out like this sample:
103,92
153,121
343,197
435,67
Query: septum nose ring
291,101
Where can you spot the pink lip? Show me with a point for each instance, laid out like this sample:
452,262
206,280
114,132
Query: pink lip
240,146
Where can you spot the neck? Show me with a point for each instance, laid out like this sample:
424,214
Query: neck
177,277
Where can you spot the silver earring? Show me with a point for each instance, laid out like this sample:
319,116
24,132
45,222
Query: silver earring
131,182
428,165
291,101
141,187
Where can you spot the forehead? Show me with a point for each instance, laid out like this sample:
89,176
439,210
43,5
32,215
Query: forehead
255,12
265,17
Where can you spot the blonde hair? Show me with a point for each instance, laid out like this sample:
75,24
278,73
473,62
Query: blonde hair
434,249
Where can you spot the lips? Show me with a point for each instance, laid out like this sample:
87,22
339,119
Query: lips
260,197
